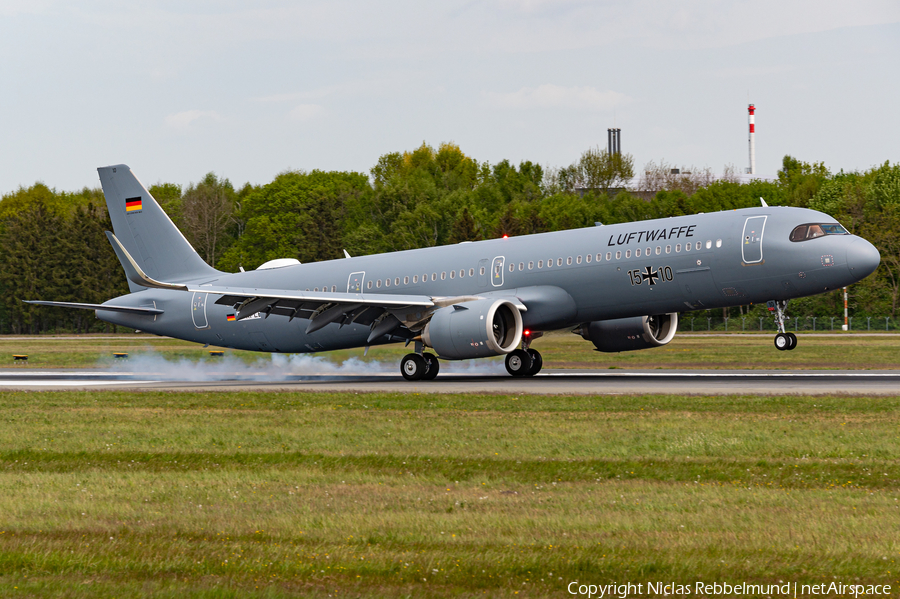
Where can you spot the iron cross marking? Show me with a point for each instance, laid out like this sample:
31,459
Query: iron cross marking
649,275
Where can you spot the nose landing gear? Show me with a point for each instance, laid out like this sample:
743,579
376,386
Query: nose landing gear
784,341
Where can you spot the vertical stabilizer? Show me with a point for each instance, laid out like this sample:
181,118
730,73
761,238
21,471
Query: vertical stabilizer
146,232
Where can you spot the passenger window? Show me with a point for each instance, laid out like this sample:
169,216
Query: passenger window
668,249
369,285
658,250
699,245
387,282
608,256
512,267
521,266
687,247
406,280
708,244
316,289
588,258
530,265
569,261
481,271
452,274
462,272
718,243
628,253
378,283
472,272
333,288
618,255
443,276
559,261
540,264
549,263
434,276
415,278
396,281
637,253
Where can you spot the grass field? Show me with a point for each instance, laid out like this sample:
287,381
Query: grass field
560,350
404,495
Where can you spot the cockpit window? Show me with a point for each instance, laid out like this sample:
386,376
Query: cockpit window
799,233
834,229
813,230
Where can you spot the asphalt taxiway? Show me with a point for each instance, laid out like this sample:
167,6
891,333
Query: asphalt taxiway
807,382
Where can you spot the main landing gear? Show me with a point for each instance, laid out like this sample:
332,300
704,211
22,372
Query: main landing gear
419,366
525,361
784,341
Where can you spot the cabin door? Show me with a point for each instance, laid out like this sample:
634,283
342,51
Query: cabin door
497,272
484,272
751,240
198,311
355,282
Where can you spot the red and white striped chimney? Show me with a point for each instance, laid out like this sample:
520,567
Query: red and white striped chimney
752,170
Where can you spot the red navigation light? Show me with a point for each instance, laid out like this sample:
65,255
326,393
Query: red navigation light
527,333
505,236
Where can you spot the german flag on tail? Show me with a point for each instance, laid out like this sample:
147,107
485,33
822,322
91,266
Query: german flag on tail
230,318
133,204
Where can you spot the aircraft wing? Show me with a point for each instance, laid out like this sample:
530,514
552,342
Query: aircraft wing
384,312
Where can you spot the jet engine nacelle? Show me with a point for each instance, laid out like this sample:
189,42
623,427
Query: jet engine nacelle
625,334
477,329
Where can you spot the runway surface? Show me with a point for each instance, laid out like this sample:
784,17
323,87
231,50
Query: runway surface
808,382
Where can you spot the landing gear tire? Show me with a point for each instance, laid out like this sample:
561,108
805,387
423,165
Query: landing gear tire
518,362
537,362
432,367
793,340
413,367
783,341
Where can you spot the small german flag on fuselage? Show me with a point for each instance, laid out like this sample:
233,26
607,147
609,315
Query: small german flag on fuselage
230,317
132,204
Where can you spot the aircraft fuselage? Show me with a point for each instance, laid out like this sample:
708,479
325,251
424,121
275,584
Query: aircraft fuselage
564,278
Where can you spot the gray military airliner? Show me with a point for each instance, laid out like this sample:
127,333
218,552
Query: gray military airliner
620,287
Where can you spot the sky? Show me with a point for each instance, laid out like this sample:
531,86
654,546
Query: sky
177,89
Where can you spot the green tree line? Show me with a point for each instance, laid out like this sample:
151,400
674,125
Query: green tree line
52,244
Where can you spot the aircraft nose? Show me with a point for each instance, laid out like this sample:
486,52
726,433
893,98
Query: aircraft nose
862,258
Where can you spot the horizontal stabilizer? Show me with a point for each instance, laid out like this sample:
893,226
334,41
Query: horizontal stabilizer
104,307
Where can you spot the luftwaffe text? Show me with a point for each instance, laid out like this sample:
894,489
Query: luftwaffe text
654,235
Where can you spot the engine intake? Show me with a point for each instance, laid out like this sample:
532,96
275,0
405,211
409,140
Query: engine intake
477,329
626,334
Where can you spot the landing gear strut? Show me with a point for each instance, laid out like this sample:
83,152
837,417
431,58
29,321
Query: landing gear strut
525,361
419,366
783,340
